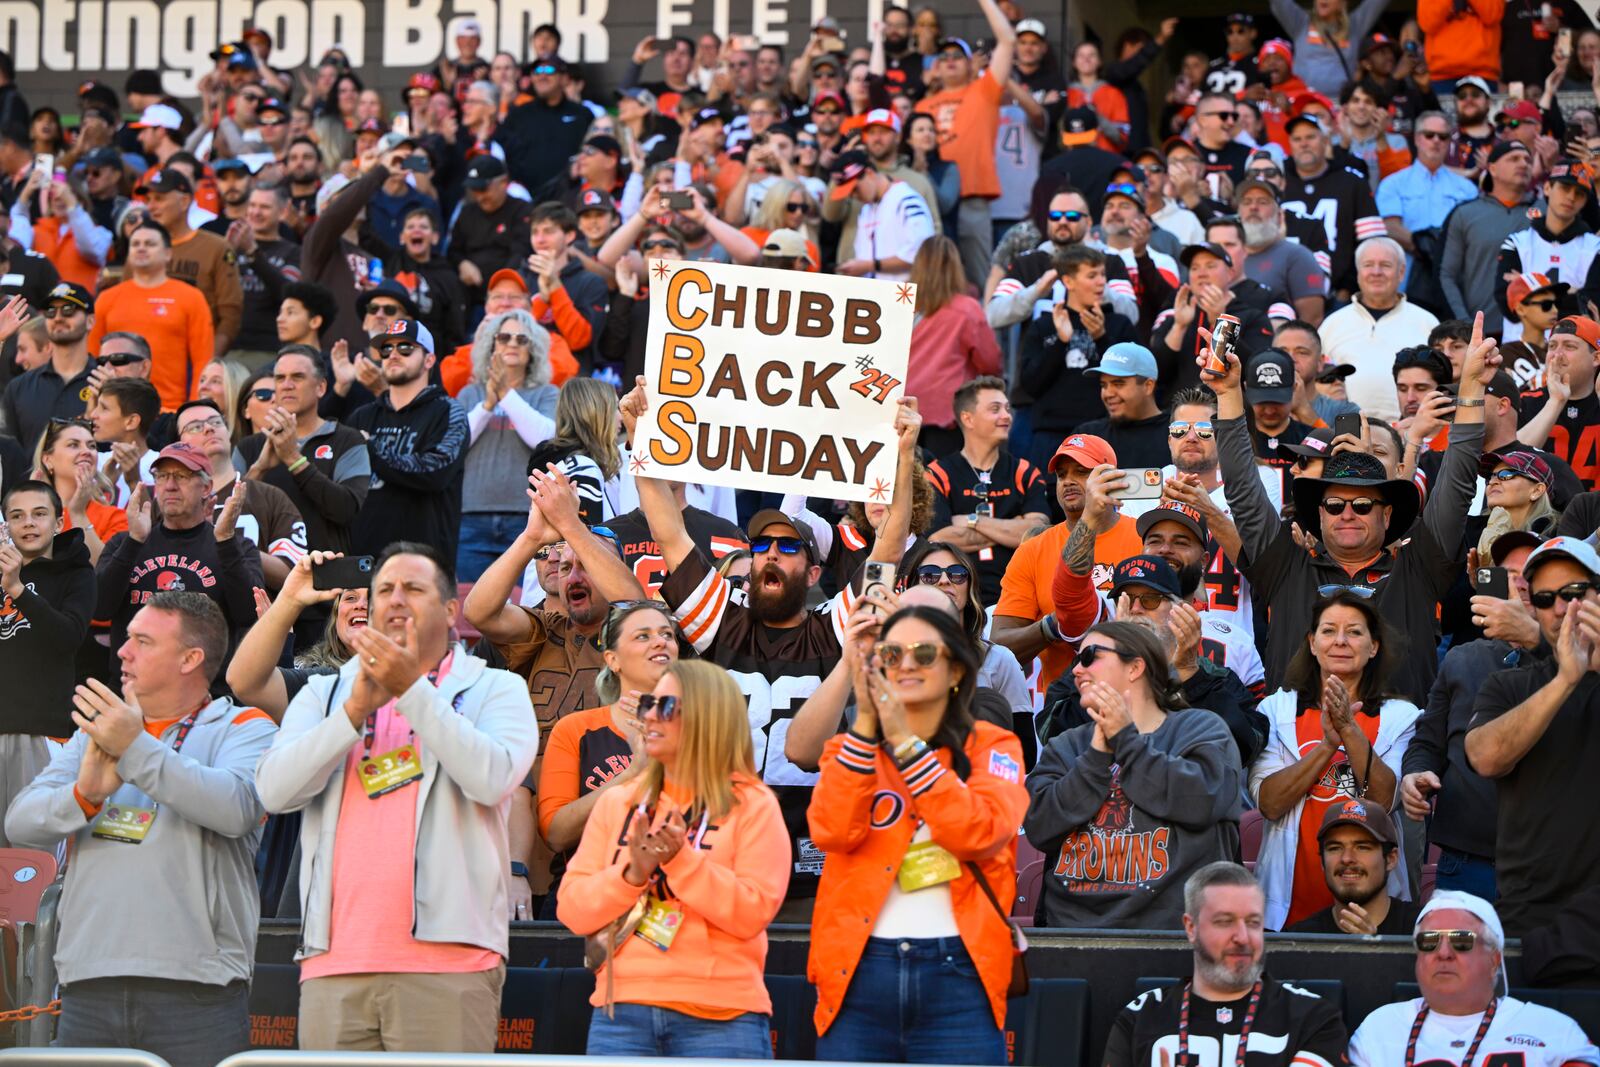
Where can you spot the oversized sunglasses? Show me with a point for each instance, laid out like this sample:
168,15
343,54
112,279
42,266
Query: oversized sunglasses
1361,505
930,573
1546,598
1089,653
922,653
1460,940
666,708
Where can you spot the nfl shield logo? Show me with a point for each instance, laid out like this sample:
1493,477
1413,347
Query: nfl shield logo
1224,1016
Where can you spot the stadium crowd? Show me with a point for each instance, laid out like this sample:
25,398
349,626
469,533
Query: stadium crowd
1243,538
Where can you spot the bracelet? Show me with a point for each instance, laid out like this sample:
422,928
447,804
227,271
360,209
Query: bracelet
877,265
908,751
1478,403
294,468
519,868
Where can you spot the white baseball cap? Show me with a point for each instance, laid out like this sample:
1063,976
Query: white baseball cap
159,116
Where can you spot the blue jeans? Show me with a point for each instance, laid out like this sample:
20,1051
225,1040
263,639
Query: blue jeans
915,1001
185,1023
1468,873
645,1030
485,536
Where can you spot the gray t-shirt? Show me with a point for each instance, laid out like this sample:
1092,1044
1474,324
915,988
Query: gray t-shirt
1287,267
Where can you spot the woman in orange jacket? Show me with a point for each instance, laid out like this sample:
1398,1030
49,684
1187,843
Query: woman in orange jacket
679,878
917,808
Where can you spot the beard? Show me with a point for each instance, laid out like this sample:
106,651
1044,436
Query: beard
1223,975
894,44
1358,895
780,606
1185,465
1261,234
1190,575
1115,229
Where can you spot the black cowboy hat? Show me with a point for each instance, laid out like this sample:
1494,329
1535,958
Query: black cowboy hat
1357,470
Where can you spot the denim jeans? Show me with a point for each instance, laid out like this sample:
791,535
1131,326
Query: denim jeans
485,535
185,1023
1468,873
645,1030
915,1001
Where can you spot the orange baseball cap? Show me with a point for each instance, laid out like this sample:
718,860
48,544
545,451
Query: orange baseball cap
1087,449
506,274
1578,325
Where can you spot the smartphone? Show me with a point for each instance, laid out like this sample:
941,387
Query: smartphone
1493,581
1515,91
402,124
1564,41
1347,424
680,200
877,572
1215,182
1144,483
347,572
45,163
418,163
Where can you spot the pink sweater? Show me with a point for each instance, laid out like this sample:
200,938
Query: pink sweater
948,349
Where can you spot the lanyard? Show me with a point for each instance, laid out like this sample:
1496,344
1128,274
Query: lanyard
369,731
1244,1029
1472,1053
186,725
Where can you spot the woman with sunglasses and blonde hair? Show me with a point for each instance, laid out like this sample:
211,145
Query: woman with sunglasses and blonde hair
1145,768
66,458
679,876
1336,735
917,809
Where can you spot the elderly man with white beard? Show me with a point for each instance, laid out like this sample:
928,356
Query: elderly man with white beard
1276,262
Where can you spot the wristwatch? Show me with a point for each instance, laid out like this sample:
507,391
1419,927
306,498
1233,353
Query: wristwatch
972,521
519,868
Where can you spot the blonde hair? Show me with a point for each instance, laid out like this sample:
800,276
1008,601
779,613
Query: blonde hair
1542,518
714,744
773,214
586,416
234,377
52,431
1337,29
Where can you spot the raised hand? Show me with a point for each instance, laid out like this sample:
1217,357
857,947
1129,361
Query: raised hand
227,520
12,315
139,514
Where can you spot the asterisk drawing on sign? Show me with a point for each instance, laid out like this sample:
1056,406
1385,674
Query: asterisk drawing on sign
661,269
880,489
905,293
638,463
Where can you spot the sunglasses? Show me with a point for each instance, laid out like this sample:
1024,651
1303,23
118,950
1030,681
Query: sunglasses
1507,124
521,340
65,312
1546,598
1225,116
826,111
122,359
1147,601
738,581
264,395
1434,135
389,310
1361,505
1365,592
952,56
648,245
807,144
554,548
400,348
788,546
1460,940
544,68
1505,474
274,122
666,708
1264,173
84,424
922,653
1124,188
1067,216
929,574
1154,168
797,207
1089,653
1542,305
1202,429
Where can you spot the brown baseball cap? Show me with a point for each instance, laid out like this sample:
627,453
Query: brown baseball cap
1355,812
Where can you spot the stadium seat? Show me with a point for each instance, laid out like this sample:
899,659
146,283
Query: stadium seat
468,633
794,1004
1326,988
275,1006
1030,885
536,1010
1251,823
25,873
1050,1024
1427,881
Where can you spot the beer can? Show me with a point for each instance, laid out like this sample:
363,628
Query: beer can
1224,339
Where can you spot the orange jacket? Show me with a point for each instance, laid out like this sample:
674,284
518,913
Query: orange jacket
976,820
729,889
1456,47
456,370
55,242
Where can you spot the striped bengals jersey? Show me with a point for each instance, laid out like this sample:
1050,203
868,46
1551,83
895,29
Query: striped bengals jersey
1292,1026
777,669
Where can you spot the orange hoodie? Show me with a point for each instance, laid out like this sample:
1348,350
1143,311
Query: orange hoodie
976,820
729,888
1459,46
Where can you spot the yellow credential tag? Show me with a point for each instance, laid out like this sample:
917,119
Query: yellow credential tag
125,823
660,924
389,771
926,864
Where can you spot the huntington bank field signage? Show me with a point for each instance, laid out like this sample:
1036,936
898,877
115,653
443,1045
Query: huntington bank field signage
775,380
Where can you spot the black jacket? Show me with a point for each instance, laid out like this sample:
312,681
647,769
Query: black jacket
491,242
1053,373
1251,305
540,139
1214,688
436,287
40,632
418,458
1137,443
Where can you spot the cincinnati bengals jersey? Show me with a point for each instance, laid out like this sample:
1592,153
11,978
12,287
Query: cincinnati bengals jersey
1519,1035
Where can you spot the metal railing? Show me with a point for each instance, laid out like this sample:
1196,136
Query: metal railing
36,967
80,1057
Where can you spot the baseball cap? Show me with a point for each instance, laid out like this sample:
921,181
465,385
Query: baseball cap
224,51
258,34
392,140
1315,445
1240,18
881,116
766,517
641,96
1269,378
1185,515
549,65
1573,548
1580,326
167,180
422,81
1303,119
1525,110
1087,449
272,104
104,157
1176,142
1505,386
1569,173
592,199
1524,461
389,288
1472,81
1510,541
955,42
406,330
1151,571
1079,126
71,293
847,171
606,143
226,166
330,187
828,23
482,171
1502,149
1355,812
787,243
1256,183
1376,42
242,59
1210,248
1527,283
506,274
159,116
827,59
706,115
1033,26
191,457
1126,359
469,28
1335,372
830,97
